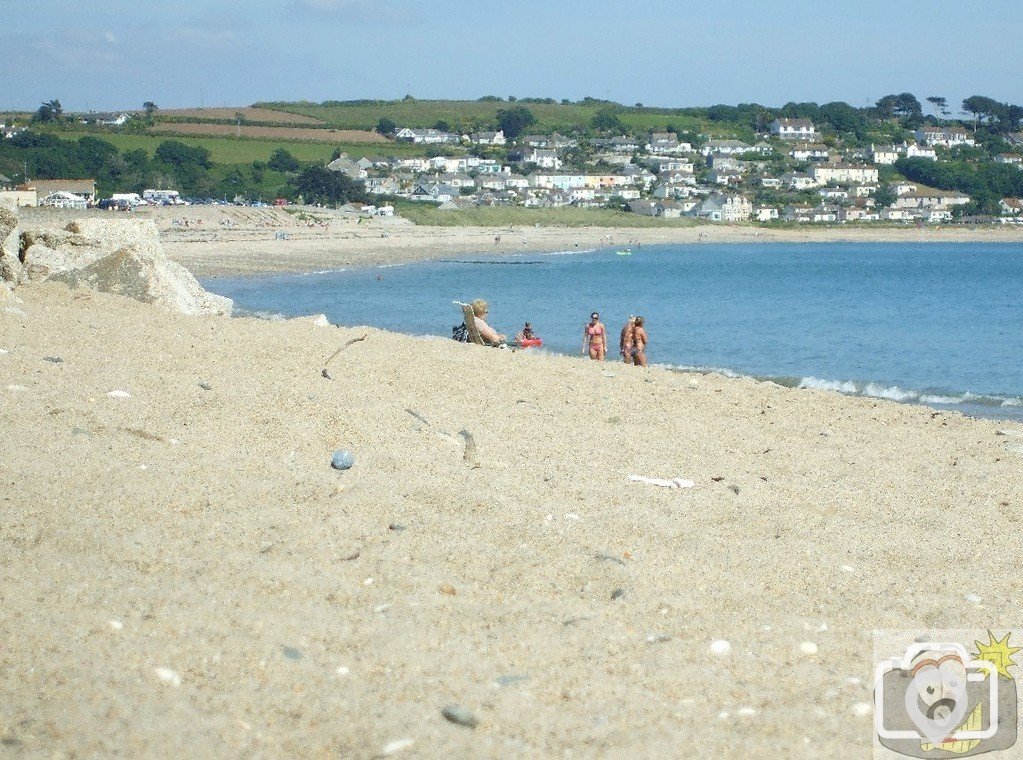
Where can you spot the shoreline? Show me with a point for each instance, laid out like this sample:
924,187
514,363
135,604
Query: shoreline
222,241
346,246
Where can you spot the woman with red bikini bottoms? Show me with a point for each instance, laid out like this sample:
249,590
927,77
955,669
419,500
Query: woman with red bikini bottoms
595,338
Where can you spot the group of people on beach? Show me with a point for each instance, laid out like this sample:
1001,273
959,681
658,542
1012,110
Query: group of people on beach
632,343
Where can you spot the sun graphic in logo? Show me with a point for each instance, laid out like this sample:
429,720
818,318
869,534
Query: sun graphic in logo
998,653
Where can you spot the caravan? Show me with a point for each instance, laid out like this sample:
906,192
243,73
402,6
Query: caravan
163,197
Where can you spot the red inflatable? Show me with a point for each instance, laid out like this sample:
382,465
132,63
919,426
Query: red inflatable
530,342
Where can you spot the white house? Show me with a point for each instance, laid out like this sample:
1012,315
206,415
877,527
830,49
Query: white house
723,208
793,129
488,138
1013,159
765,214
926,197
810,152
1011,206
798,181
948,137
725,148
425,136
884,154
843,173
915,150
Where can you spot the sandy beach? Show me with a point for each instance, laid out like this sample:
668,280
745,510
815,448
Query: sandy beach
250,244
184,574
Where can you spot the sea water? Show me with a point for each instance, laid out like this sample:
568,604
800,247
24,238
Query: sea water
938,324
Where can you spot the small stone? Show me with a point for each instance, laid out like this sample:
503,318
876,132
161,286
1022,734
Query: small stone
381,608
119,394
342,460
617,594
397,746
168,676
324,373
657,638
343,670
397,527
460,716
973,598
848,569
825,432
720,647
862,709
291,653
734,489
509,680
746,711
81,431
808,648
117,625
206,386
447,588
53,359
368,582
266,547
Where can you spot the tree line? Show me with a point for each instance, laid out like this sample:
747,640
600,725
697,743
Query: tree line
188,169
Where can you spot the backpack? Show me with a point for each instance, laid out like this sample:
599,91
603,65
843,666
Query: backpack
460,333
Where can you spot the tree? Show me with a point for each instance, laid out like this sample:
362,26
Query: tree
282,161
884,197
606,120
176,153
904,106
386,127
512,121
320,185
50,110
442,126
981,107
150,107
940,104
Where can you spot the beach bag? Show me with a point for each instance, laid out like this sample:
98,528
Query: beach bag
460,333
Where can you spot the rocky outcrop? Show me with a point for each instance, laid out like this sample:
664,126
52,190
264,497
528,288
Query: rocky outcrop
10,265
47,252
142,272
113,256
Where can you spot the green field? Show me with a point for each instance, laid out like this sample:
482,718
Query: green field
235,151
472,115
505,216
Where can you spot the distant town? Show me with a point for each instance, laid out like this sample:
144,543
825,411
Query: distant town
796,170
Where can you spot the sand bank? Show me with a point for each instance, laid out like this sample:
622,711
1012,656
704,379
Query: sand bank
185,575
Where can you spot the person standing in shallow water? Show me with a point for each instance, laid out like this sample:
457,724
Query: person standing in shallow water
625,341
640,341
595,338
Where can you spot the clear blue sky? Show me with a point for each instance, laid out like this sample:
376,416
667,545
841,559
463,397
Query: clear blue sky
107,54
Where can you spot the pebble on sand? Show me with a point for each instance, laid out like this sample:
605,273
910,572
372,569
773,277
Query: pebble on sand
397,746
460,716
116,625
720,647
808,648
447,588
119,394
168,676
342,460
862,709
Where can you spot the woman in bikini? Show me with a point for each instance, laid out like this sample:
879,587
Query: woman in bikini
595,338
625,341
640,340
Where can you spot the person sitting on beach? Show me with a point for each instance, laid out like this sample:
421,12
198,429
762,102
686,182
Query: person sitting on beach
526,333
480,309
595,338
640,341
625,342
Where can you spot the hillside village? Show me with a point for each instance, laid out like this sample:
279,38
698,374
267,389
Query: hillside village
793,172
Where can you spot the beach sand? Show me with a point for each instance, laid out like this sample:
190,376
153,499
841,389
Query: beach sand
185,575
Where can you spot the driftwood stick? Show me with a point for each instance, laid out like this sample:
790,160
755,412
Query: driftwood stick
346,345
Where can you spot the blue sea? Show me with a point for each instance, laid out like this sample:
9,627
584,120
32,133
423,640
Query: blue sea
938,324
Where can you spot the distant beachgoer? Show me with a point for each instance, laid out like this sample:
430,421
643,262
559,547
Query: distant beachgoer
480,309
640,341
625,343
526,333
595,338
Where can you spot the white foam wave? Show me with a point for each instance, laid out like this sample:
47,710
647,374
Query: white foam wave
930,399
842,386
891,392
